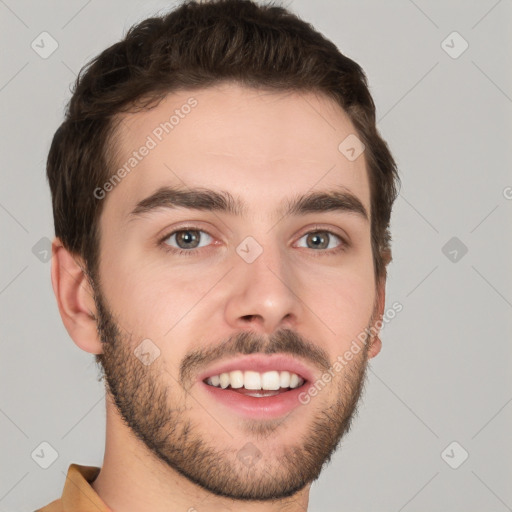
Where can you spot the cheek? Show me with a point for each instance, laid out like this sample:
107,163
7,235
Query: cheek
342,300
132,286
152,298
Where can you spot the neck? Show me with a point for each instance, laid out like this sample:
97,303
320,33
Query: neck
132,478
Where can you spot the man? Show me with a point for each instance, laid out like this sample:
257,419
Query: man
222,201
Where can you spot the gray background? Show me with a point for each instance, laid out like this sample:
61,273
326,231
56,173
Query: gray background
444,372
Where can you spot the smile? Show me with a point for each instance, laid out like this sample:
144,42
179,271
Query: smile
256,384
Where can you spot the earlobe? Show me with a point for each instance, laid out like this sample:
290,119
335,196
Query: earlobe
75,299
375,347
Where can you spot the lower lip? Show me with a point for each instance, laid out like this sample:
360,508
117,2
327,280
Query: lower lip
254,407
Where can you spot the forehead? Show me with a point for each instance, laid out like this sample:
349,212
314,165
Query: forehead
261,145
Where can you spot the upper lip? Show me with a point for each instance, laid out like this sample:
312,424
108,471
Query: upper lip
260,363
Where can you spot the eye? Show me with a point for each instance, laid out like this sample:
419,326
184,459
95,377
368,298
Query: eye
187,239
322,240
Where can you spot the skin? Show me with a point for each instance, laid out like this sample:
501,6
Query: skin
168,445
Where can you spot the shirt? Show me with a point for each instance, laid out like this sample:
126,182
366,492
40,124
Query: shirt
78,495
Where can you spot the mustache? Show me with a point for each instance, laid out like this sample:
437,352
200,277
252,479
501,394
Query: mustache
283,341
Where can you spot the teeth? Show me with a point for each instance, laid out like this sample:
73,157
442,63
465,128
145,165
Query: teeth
285,379
236,379
294,380
271,381
252,380
224,380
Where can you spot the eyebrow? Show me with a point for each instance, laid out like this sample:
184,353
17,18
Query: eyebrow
204,199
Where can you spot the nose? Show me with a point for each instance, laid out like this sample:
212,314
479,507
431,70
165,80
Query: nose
263,296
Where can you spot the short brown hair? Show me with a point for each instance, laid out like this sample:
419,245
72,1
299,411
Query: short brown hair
195,46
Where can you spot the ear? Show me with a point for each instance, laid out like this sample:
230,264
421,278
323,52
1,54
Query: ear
75,298
376,343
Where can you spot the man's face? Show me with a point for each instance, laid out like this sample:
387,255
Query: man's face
254,289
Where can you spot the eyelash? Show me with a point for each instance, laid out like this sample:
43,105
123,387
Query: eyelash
192,252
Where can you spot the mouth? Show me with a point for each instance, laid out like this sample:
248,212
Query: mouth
257,386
